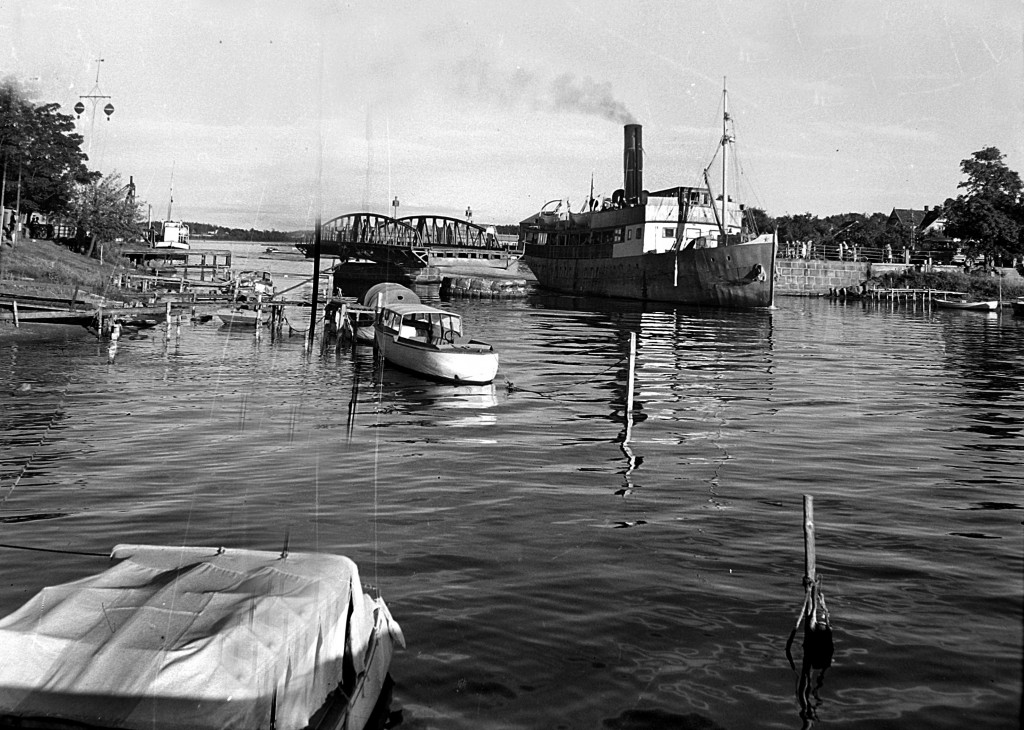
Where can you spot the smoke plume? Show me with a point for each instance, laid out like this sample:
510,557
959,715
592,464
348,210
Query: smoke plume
519,87
588,97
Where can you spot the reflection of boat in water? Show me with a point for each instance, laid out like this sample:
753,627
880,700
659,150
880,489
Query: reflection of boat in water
429,342
985,306
1018,308
254,637
672,245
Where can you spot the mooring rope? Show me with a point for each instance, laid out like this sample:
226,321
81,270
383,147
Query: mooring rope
513,388
9,546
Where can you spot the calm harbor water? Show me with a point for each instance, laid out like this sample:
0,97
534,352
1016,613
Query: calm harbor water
551,569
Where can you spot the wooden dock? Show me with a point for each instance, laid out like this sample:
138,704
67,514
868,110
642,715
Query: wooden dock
209,264
909,295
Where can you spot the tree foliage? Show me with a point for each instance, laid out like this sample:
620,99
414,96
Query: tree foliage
989,216
106,210
39,144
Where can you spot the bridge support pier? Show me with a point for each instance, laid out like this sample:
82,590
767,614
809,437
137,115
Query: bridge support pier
355,278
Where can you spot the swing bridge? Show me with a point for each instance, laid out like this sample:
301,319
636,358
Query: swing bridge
415,241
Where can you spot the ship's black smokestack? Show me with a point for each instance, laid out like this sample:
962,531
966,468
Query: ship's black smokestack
633,162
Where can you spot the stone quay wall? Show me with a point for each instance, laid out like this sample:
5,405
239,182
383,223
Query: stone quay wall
799,277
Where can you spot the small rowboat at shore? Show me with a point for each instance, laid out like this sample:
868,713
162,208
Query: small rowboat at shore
240,317
176,638
429,342
986,306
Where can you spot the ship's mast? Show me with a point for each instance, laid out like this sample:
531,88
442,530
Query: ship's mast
726,139
170,199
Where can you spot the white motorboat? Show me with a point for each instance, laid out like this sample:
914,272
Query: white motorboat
429,342
176,638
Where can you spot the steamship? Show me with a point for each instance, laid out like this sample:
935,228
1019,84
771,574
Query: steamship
678,245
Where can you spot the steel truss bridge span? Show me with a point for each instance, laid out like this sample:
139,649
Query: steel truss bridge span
409,241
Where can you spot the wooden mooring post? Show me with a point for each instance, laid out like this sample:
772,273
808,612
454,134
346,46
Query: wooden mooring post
818,646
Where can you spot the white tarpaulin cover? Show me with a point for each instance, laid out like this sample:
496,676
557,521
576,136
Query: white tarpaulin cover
175,638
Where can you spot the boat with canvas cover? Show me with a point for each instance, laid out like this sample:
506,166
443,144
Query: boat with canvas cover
677,244
196,638
360,316
429,342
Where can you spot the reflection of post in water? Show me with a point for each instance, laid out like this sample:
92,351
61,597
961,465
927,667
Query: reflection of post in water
818,646
353,403
631,460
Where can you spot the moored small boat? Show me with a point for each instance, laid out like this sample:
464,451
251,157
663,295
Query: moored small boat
297,318
358,325
984,306
429,342
242,316
255,639
169,234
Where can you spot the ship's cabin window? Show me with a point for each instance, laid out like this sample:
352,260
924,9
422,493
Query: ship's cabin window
668,233
618,235
639,233
694,197
629,234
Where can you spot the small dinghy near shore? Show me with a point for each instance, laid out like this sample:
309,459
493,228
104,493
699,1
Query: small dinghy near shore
195,638
242,317
986,306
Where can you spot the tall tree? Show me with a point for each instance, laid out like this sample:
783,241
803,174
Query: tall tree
106,211
39,146
989,216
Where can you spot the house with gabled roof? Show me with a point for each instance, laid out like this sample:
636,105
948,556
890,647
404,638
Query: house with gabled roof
928,225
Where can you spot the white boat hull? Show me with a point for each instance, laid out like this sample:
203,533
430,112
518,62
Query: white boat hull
354,712
241,317
988,306
470,363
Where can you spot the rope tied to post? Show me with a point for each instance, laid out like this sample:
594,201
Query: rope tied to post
814,617
818,645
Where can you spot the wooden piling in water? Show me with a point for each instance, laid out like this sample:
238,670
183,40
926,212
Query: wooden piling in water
810,569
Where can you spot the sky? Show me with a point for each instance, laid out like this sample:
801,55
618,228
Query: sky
262,113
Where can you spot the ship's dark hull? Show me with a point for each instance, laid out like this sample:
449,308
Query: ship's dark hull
738,276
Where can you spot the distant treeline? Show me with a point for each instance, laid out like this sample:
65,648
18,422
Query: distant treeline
223,233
